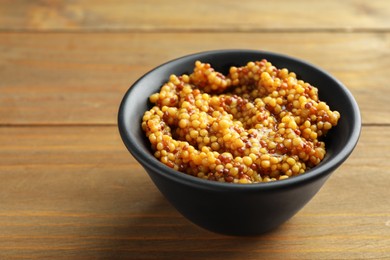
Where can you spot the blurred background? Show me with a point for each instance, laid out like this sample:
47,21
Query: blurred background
101,47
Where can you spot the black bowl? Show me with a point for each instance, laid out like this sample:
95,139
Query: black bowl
239,209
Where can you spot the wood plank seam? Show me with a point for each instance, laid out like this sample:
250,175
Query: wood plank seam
197,30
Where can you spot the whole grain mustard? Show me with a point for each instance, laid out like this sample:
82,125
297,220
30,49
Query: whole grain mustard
257,124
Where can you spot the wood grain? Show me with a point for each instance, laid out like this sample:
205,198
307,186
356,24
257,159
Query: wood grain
214,15
81,78
75,192
70,190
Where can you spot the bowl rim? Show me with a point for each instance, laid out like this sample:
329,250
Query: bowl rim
150,163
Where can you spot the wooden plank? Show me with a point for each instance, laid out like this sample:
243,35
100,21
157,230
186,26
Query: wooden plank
75,192
196,15
71,78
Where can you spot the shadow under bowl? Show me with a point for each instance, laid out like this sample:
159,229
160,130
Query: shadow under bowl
239,209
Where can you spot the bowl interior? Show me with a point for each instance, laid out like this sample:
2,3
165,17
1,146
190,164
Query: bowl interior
339,142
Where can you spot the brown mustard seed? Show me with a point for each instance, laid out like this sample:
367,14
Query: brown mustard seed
257,124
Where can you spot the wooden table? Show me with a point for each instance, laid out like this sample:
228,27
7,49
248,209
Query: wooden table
70,190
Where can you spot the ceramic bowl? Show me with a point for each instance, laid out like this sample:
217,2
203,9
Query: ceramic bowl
239,209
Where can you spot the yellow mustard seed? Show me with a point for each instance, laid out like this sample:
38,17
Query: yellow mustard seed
219,127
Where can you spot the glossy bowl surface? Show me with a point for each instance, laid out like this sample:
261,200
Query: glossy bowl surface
239,209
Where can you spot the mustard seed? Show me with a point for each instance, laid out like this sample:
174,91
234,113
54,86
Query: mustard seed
256,124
